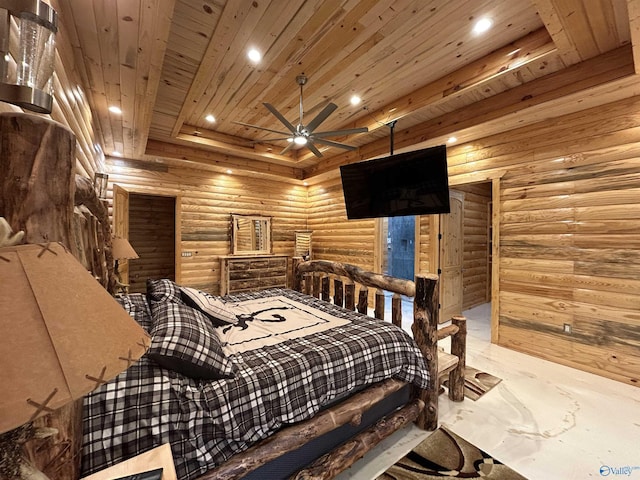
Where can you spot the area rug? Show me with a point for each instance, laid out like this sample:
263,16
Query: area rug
476,383
446,455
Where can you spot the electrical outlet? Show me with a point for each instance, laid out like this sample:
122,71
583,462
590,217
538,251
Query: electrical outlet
187,254
567,328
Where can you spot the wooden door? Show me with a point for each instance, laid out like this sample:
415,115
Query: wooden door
121,225
451,257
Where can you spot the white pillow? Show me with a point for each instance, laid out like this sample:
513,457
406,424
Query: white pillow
212,307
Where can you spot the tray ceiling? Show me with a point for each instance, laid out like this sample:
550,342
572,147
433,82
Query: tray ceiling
167,64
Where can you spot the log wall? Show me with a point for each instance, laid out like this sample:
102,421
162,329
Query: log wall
568,253
205,201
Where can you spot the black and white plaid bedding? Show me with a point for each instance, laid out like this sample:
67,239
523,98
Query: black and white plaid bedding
207,421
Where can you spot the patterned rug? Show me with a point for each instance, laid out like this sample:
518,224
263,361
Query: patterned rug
476,383
446,455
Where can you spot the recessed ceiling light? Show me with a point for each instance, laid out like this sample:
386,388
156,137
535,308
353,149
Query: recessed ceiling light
452,140
116,153
210,118
305,184
116,110
254,55
355,100
482,25
229,172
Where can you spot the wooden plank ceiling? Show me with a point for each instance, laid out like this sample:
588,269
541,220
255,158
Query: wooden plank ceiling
167,64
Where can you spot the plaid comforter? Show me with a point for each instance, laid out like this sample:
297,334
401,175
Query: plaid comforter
207,421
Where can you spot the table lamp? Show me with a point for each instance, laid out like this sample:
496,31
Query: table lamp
61,335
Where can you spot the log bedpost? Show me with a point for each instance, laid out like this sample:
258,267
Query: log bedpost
458,348
425,333
37,186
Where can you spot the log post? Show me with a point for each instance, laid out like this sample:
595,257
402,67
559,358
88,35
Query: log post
326,288
37,161
363,300
458,348
37,158
297,274
316,285
338,292
396,310
350,296
425,333
378,310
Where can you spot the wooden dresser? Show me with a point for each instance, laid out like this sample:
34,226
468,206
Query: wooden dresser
241,273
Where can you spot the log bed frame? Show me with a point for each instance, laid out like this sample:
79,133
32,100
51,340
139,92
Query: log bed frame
45,212
315,278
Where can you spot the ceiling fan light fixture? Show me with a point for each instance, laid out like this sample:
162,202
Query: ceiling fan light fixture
300,140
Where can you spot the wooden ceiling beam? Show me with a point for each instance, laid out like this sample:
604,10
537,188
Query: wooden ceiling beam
600,71
185,151
501,62
634,24
231,145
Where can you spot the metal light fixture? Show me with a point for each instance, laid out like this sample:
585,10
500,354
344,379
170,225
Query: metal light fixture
100,181
26,65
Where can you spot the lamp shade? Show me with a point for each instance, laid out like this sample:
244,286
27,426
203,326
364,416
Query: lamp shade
122,249
61,334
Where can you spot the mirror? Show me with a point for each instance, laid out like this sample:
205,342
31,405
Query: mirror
250,234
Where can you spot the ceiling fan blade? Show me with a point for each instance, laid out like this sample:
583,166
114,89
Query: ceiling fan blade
261,128
321,117
286,149
313,148
329,143
279,116
348,131
267,140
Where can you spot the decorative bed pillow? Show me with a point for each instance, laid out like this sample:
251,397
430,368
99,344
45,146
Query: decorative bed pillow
183,340
163,290
213,307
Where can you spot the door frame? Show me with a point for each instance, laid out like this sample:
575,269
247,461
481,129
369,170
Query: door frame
177,264
434,248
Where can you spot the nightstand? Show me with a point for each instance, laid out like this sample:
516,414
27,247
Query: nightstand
156,458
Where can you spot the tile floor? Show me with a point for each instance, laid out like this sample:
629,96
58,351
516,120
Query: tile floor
544,420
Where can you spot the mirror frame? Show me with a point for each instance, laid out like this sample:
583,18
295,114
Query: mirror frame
266,238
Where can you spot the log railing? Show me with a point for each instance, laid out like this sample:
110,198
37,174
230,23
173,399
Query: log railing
314,277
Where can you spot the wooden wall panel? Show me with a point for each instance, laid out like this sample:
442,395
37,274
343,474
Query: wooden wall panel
569,272
569,242
206,201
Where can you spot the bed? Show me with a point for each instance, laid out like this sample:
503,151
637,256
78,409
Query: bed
309,398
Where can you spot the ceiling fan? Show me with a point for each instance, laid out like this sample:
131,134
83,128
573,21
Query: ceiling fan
305,135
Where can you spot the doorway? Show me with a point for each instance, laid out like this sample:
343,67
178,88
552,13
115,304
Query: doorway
398,259
462,248
149,222
152,235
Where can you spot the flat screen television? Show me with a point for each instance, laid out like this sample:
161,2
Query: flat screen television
412,183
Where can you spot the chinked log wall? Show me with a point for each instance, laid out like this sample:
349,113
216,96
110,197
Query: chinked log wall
569,223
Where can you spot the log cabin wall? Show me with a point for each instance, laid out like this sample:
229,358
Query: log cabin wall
568,222
206,200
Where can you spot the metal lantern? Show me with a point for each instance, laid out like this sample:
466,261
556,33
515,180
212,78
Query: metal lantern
27,53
